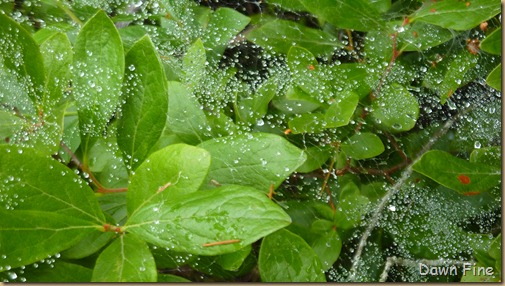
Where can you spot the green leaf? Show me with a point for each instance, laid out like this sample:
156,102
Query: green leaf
316,157
492,43
177,168
363,146
253,108
489,156
127,259
327,247
144,105
194,63
286,257
57,54
351,207
360,15
20,56
9,124
457,68
229,216
169,278
494,78
27,236
281,35
420,36
457,174
296,101
291,5
88,245
224,24
233,261
257,160
449,13
395,109
60,271
97,74
185,118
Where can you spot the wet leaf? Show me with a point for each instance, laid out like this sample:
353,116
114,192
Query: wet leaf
97,74
363,146
492,43
223,25
57,54
359,15
144,105
185,117
494,78
253,108
277,262
177,168
211,222
420,36
281,35
351,207
233,261
316,156
395,109
88,245
256,160
489,156
126,259
291,5
457,174
60,271
20,56
327,247
457,68
9,124
449,13
194,64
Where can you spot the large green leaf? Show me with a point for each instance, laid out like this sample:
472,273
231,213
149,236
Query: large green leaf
212,222
363,146
144,105
177,168
257,160
20,56
127,259
185,117
60,271
281,35
224,24
286,257
458,174
395,108
27,236
360,15
455,14
97,74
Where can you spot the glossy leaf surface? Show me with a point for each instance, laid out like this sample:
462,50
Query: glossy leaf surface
363,146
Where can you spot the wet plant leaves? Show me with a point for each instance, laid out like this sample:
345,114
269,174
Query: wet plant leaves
126,259
20,56
351,207
9,124
420,36
253,108
360,15
185,117
457,174
494,78
144,105
316,156
88,245
278,262
327,247
363,146
194,64
448,13
211,222
291,5
281,35
60,271
395,109
457,68
177,168
492,43
256,160
223,25
97,73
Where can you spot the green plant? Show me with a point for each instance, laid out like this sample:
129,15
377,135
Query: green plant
313,141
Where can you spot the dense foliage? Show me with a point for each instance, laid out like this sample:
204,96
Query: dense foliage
275,140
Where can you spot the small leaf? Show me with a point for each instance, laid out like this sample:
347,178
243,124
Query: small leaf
363,146
492,43
185,117
97,74
9,124
351,207
281,35
256,160
457,68
194,63
278,262
233,261
489,156
212,222
127,259
226,23
494,78
177,168
144,105
252,109
457,174
359,15
316,156
449,13
327,247
421,36
395,109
